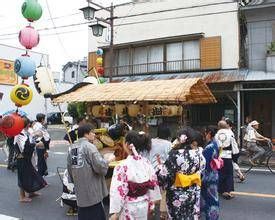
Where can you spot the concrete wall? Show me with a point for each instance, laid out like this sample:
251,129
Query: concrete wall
212,17
260,23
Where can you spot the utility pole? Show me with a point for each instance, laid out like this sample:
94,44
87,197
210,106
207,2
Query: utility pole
89,13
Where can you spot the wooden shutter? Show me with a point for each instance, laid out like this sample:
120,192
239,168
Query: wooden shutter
210,50
92,63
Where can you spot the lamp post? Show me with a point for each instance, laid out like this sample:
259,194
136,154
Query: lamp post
89,13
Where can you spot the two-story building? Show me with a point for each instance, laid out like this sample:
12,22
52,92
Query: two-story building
258,90
74,72
179,39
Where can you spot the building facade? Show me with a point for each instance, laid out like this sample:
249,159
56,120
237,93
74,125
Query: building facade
74,72
210,39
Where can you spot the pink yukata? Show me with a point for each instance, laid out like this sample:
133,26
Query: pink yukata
134,189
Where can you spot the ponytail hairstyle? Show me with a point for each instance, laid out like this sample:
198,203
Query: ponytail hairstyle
140,140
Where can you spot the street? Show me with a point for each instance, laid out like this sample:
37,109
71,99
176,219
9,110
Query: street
255,198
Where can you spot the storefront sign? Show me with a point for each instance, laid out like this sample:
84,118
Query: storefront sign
7,74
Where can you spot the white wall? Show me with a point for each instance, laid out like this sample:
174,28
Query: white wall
219,18
37,104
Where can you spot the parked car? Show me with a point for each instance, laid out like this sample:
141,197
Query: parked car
56,118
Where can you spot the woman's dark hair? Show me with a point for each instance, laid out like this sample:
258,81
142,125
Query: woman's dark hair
212,130
140,140
191,135
78,120
229,122
85,129
163,132
40,117
198,137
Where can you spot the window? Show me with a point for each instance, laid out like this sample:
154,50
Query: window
174,56
140,60
191,55
155,58
123,61
73,74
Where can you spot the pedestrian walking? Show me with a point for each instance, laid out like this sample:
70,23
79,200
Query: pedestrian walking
29,181
225,140
181,177
42,144
87,169
210,178
134,187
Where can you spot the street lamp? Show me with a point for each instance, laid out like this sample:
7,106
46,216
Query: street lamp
88,12
98,28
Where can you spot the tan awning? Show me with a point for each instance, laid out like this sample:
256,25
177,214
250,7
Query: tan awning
185,91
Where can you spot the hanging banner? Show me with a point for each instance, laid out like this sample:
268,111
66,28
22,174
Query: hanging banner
7,74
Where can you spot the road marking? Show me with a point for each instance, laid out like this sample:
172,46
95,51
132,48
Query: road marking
5,166
5,217
259,195
256,169
58,153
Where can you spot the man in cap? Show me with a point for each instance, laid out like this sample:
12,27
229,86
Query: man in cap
252,137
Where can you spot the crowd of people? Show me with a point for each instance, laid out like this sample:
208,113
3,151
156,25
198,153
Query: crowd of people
182,180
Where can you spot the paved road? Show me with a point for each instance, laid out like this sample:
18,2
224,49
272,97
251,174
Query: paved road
256,203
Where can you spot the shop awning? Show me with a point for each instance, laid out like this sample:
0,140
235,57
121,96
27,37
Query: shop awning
184,91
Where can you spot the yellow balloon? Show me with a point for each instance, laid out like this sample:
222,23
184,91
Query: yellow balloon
21,95
99,60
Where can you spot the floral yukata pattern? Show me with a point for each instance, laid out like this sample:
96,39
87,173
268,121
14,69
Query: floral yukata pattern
181,201
135,169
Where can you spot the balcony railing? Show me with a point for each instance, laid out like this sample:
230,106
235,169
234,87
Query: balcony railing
156,67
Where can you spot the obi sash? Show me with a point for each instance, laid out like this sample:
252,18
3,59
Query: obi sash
140,189
183,180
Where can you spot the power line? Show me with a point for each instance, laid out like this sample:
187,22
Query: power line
58,37
46,29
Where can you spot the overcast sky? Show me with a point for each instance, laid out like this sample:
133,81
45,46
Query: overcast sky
62,44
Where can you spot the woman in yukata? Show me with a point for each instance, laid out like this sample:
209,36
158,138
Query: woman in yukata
134,187
29,181
181,177
210,178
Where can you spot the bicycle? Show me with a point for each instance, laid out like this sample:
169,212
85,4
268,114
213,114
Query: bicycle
267,160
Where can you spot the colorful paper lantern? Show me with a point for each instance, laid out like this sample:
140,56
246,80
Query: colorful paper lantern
31,10
12,124
99,52
102,80
43,81
24,66
100,70
99,61
28,37
21,95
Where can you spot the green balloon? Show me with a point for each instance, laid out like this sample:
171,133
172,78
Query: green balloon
31,10
102,80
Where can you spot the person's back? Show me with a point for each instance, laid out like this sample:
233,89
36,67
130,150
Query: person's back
87,174
87,169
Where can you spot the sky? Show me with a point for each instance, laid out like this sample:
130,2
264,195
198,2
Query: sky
61,44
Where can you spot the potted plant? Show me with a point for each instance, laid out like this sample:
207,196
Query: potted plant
271,49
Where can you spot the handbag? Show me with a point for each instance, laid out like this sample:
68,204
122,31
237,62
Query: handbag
216,163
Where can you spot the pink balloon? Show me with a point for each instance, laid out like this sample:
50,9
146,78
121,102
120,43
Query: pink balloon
29,37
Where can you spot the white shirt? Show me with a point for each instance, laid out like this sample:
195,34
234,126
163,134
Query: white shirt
39,127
